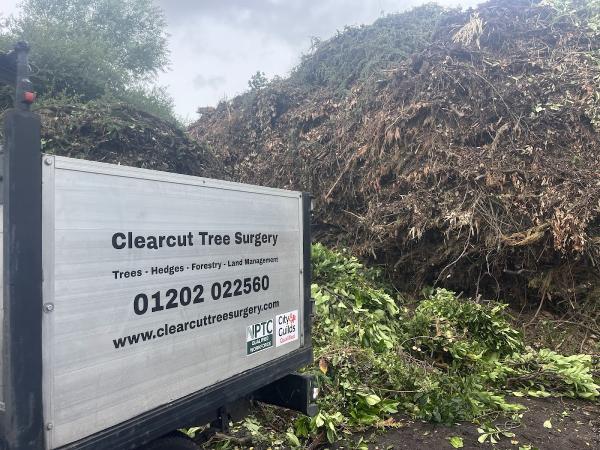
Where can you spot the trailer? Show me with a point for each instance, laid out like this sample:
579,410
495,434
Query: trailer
138,302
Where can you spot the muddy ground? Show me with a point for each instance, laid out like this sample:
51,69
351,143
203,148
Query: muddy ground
575,425
547,424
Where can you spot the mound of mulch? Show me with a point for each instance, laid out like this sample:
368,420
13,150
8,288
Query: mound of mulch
473,164
120,134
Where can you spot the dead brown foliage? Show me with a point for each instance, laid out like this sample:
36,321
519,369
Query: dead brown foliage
121,134
474,165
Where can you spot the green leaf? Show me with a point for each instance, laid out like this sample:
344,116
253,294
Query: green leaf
456,442
547,424
293,439
319,422
372,399
331,436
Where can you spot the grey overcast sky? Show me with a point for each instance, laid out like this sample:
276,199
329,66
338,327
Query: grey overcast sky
216,45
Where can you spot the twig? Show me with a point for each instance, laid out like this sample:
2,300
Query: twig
539,308
590,329
317,441
395,391
343,172
455,261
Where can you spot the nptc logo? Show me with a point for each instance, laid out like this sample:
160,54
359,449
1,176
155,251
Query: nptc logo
259,330
259,337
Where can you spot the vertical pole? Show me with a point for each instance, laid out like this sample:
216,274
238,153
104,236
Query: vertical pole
22,418
23,84
307,272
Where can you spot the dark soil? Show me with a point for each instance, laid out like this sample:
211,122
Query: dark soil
575,425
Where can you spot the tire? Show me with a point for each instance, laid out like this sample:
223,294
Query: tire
172,442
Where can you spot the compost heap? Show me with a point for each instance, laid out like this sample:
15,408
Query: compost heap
121,134
472,164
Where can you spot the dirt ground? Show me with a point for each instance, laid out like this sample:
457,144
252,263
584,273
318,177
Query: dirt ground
575,425
547,424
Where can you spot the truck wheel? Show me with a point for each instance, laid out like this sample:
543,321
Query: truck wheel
172,442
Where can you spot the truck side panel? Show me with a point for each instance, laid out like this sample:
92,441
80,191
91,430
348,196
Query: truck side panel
157,286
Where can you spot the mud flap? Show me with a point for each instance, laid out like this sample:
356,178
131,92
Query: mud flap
295,391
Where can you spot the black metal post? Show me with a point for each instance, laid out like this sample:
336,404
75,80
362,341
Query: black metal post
22,418
23,82
307,269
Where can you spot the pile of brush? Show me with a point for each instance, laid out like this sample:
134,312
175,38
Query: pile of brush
120,134
471,163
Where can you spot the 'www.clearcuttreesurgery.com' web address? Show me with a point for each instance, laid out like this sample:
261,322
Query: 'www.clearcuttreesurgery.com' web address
182,327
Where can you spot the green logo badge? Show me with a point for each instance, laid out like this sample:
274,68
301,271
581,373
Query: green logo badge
259,337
